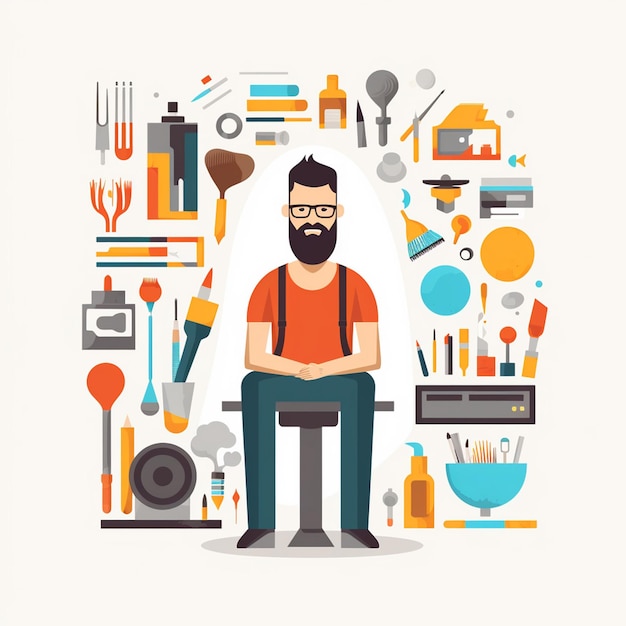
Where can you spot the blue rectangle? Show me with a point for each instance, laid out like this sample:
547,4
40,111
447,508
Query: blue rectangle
485,523
273,91
506,188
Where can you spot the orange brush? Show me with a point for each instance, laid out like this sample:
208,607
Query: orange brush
536,326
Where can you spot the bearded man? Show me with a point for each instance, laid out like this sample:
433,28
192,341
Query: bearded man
311,306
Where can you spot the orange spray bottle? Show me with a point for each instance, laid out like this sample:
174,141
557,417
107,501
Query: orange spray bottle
419,492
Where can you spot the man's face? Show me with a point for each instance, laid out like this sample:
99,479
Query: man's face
312,237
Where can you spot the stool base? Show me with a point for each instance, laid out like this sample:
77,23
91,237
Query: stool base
312,537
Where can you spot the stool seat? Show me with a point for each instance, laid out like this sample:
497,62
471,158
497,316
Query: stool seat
308,414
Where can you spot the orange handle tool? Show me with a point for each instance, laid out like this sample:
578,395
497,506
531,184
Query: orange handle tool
106,492
220,219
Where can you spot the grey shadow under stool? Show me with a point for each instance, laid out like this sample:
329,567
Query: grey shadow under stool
310,417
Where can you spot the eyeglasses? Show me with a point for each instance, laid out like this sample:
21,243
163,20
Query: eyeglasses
304,210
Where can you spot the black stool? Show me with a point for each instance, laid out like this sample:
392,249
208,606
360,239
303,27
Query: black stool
310,417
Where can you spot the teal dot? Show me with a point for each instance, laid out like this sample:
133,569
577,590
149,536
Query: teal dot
539,283
445,290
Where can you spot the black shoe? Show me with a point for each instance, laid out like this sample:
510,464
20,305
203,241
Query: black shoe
253,535
364,538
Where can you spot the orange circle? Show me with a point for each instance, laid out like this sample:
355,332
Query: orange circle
507,253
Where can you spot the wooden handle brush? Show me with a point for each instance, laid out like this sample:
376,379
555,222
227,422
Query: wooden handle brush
226,169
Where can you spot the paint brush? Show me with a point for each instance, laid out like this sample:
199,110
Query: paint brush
419,239
458,450
434,351
451,444
227,169
420,355
536,326
198,323
175,342
504,447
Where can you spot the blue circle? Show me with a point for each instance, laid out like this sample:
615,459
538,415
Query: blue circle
539,283
445,290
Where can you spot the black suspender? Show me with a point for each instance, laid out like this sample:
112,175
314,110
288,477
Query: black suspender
282,306
343,323
282,321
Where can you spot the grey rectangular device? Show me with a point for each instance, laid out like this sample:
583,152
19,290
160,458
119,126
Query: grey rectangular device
475,404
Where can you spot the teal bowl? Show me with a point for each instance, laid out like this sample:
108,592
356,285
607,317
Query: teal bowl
486,485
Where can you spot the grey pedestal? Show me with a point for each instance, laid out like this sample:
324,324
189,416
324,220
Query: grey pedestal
310,417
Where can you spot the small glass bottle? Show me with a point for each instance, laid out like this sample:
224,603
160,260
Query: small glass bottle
332,104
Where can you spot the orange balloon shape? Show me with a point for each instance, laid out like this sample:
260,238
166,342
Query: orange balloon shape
507,253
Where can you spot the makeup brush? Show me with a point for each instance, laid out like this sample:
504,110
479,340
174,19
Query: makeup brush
419,239
150,291
226,169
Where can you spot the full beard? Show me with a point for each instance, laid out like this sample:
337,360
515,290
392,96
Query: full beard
312,249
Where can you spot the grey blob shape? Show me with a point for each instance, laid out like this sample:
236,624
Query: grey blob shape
391,169
510,113
115,322
512,299
425,78
212,437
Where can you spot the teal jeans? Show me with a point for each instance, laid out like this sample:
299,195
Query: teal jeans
259,394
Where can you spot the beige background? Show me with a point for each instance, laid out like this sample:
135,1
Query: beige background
556,65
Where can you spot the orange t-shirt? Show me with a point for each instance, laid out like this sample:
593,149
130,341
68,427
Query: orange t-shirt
312,330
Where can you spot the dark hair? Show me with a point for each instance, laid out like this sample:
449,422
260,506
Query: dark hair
310,173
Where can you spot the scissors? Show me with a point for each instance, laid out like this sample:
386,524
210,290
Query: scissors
415,128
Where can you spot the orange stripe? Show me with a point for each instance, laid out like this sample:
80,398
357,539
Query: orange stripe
277,105
454,523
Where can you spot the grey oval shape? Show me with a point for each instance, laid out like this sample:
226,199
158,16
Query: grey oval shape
512,300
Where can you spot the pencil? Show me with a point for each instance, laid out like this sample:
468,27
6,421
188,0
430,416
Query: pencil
434,351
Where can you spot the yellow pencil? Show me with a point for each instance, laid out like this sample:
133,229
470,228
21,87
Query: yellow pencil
463,349
126,455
